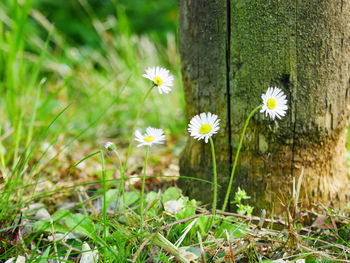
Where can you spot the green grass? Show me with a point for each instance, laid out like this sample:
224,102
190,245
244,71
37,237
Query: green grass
57,94
52,89
115,234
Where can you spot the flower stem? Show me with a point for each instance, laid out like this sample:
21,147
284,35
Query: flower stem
143,188
122,177
138,116
215,177
215,183
104,198
228,192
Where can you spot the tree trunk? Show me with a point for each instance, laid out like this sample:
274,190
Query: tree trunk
232,51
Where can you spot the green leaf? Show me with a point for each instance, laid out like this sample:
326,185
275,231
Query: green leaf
60,214
130,198
151,196
188,210
44,257
111,196
235,230
45,225
81,224
203,223
171,193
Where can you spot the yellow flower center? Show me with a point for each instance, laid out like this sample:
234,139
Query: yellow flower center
271,103
148,138
158,81
205,129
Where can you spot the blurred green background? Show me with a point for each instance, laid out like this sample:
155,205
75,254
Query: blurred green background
154,18
72,69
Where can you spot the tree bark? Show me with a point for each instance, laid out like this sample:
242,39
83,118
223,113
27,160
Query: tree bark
232,51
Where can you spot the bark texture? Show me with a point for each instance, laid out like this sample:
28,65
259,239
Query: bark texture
231,52
204,54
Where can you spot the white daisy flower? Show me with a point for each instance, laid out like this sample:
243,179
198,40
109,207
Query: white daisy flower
152,136
161,78
203,126
274,103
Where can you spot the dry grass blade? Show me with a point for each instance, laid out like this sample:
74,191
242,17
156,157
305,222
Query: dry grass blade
201,247
185,232
231,253
164,243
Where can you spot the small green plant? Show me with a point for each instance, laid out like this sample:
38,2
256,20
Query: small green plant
243,209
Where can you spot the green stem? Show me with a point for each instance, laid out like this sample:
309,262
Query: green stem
143,188
215,176
122,177
104,200
138,116
215,183
237,156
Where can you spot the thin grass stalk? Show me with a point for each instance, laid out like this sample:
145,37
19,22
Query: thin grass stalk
91,124
2,157
143,188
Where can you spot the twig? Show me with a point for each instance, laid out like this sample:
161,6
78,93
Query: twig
179,222
255,218
144,243
249,218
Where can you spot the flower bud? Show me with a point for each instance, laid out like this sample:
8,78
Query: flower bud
110,146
